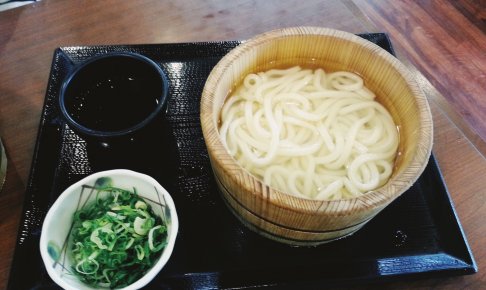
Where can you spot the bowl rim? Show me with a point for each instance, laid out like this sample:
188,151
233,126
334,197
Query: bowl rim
93,60
371,199
165,255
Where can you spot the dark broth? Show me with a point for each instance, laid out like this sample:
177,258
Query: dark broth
114,103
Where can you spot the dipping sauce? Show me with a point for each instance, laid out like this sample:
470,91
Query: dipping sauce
114,103
113,94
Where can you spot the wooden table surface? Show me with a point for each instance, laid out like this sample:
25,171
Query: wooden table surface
443,42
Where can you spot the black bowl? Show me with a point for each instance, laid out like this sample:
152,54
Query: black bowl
117,102
111,97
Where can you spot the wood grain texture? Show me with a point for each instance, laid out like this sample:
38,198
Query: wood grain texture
446,41
29,35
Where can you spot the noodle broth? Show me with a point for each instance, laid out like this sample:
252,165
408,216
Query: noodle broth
312,133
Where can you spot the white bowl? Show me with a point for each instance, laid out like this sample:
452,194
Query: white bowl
58,221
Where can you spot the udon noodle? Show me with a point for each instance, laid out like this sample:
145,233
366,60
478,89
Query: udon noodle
309,133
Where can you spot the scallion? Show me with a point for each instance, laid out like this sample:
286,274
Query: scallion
115,239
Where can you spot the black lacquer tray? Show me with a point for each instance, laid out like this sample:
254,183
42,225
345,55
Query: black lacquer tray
418,235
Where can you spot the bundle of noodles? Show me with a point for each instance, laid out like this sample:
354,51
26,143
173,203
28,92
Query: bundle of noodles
309,133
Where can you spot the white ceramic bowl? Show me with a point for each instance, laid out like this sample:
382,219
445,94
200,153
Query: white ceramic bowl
58,221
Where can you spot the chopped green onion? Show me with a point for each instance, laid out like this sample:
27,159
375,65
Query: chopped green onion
140,252
140,204
115,239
